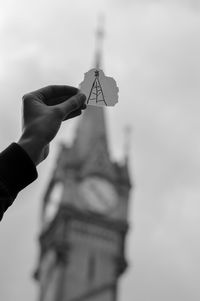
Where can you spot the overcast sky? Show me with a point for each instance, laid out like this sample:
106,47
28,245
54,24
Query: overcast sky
152,50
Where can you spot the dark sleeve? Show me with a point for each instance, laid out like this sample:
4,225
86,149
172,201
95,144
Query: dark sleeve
16,172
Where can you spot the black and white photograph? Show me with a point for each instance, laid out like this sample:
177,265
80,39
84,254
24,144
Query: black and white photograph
100,150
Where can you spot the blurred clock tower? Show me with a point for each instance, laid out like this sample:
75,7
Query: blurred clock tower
84,216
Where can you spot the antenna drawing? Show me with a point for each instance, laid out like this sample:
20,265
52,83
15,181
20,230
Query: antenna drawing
96,92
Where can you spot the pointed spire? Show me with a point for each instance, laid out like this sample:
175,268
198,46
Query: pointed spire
127,142
92,126
99,41
91,129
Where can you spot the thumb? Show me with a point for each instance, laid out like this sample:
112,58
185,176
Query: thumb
73,103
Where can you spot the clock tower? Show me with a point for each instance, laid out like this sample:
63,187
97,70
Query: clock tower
84,217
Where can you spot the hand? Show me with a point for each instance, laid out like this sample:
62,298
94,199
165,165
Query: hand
43,112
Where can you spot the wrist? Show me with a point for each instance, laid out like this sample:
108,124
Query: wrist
32,147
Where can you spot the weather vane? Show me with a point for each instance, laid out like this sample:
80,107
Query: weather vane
100,90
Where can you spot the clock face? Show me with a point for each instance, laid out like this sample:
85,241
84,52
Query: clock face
98,194
53,202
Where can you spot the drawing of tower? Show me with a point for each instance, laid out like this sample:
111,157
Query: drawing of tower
84,216
96,92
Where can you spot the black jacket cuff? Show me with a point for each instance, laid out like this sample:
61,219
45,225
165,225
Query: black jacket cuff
17,170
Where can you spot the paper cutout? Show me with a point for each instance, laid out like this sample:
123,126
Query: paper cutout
100,90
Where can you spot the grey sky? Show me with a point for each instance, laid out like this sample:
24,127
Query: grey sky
152,49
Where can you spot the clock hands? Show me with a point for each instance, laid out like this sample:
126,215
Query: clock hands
99,194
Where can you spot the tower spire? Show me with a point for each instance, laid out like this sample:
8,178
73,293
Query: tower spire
100,33
92,126
127,142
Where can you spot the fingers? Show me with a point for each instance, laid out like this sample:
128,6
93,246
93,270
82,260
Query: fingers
64,99
55,91
72,105
73,114
52,95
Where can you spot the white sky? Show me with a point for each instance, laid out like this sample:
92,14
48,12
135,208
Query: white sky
152,49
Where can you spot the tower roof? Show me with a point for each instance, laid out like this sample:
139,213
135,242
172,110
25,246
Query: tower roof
91,130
